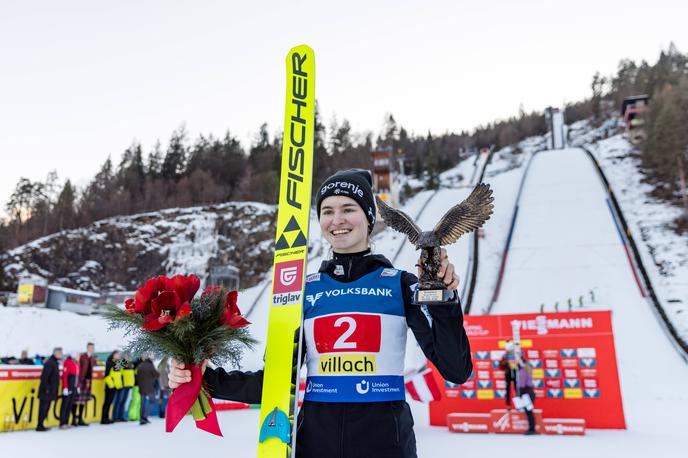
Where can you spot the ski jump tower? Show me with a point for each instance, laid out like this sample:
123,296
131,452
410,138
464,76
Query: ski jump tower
557,128
385,183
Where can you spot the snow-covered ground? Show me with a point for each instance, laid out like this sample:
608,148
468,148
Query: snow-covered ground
240,429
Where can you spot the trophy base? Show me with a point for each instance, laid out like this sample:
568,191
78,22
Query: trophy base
435,297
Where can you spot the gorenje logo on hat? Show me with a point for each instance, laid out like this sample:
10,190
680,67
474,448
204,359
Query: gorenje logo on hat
342,187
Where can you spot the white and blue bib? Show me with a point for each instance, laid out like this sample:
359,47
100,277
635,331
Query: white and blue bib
356,338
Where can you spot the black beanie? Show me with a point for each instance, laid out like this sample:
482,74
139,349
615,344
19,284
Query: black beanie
354,183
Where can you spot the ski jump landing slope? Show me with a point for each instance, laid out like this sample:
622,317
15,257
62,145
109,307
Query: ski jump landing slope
564,245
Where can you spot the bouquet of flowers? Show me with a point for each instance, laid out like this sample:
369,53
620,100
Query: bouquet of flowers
166,320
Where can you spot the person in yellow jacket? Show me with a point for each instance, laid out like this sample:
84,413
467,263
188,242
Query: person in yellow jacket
113,383
119,408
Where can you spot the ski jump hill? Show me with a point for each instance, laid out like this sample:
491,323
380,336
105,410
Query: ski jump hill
565,242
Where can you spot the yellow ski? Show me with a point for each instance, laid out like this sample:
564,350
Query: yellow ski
283,355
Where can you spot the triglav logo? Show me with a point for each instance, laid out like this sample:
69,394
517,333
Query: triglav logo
288,275
287,283
313,299
363,387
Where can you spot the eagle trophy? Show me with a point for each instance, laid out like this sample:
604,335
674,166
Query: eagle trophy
465,217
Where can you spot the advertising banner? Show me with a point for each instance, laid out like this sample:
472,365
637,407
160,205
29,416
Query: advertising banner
19,400
574,368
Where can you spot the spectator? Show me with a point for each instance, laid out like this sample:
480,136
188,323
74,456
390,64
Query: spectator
146,377
24,358
113,384
164,382
508,365
70,380
10,360
87,361
526,389
128,381
47,390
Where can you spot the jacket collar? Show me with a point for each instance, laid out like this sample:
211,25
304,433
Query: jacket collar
352,266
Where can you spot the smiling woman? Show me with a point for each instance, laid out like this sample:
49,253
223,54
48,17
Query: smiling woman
357,312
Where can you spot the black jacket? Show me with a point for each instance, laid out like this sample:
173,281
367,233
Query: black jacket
146,375
371,429
50,380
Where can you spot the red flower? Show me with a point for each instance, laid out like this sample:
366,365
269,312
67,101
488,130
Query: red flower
164,300
211,290
148,292
232,317
129,306
185,287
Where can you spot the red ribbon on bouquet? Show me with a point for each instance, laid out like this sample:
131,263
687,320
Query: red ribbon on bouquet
183,399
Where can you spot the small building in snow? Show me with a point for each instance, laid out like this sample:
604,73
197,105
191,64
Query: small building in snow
226,276
73,300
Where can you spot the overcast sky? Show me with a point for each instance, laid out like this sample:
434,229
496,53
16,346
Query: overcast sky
79,80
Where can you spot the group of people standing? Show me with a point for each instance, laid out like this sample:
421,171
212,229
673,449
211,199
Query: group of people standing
122,374
77,377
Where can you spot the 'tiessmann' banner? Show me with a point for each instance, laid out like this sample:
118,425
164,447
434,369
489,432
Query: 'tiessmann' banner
574,361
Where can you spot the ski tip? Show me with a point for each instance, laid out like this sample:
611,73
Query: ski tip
301,49
276,424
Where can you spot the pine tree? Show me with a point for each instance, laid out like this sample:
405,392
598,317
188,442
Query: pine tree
389,132
99,199
65,211
432,163
154,166
597,85
174,164
131,177
19,204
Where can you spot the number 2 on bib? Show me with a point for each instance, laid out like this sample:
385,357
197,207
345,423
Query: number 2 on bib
341,343
348,332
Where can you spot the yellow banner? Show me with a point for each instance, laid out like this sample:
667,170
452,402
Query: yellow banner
19,404
25,294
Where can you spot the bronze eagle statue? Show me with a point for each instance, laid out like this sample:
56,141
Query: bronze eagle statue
461,219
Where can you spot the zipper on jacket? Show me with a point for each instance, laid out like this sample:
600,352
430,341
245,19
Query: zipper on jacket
396,422
341,430
300,423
